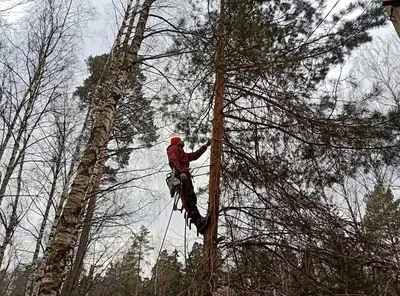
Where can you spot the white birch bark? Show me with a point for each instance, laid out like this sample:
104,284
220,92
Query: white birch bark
14,219
34,273
74,274
111,92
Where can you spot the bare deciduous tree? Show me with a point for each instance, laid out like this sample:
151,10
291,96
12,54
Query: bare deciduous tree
37,60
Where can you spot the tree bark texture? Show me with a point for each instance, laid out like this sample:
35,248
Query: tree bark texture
110,92
210,238
74,274
35,273
14,219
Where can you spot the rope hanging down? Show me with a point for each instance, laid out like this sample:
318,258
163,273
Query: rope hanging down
159,252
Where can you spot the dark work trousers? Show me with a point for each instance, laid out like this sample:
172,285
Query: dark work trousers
189,198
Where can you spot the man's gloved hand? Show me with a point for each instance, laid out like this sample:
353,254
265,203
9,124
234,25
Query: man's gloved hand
183,177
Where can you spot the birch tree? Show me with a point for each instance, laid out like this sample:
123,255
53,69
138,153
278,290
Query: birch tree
63,167
122,64
133,129
37,60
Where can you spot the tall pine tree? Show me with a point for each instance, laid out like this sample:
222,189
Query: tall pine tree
286,139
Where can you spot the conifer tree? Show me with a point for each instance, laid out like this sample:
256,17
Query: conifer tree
286,139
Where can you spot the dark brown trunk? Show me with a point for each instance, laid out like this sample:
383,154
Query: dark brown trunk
210,239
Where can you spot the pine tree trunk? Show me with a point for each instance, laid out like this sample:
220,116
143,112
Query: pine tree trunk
74,274
210,238
65,236
36,273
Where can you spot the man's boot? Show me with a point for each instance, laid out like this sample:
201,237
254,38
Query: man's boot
200,222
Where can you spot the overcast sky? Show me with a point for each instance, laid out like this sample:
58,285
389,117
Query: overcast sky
98,39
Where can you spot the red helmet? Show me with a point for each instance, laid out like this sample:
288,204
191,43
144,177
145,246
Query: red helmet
175,140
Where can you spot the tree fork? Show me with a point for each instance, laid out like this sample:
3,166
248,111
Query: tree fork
211,236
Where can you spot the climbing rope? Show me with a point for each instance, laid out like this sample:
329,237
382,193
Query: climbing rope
185,250
201,166
165,235
159,252
158,215
159,171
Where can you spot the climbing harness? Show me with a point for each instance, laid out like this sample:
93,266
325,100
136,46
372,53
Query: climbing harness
175,189
172,182
174,186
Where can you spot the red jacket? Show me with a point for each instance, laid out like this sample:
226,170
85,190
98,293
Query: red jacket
179,159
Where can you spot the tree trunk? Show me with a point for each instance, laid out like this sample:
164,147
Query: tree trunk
36,274
61,150
10,129
13,223
15,156
138,270
28,98
74,274
32,94
210,238
65,236
131,22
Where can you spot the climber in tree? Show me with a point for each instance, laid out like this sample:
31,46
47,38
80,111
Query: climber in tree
179,160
